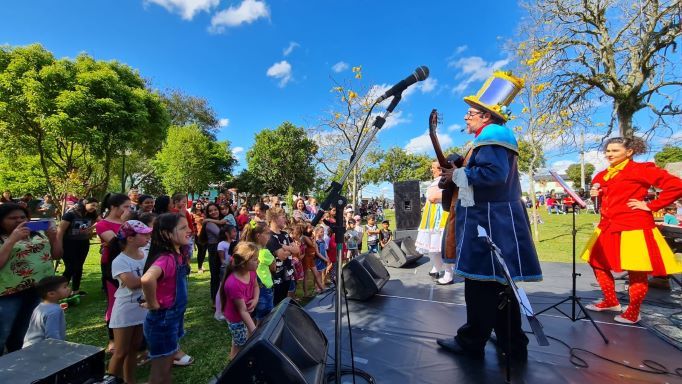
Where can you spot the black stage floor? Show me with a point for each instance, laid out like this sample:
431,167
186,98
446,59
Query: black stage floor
394,335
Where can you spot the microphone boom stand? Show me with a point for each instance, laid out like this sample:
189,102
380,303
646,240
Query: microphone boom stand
334,198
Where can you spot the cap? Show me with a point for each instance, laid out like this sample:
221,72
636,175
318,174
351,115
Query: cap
131,227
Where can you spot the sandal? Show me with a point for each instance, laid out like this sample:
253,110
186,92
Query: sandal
184,361
142,358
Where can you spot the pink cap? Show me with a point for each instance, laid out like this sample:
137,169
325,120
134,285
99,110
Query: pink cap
131,227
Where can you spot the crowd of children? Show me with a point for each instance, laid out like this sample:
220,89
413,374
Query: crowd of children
255,262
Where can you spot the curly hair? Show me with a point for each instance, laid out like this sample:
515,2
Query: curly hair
636,144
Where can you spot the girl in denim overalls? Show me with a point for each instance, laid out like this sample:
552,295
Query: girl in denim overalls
164,284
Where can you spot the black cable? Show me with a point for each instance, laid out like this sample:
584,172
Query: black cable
350,332
655,367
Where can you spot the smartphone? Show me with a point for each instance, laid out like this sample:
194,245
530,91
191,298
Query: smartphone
38,225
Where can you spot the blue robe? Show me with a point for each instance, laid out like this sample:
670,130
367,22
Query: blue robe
493,174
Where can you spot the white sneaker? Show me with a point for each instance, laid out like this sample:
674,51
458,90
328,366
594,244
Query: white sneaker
621,319
594,307
447,278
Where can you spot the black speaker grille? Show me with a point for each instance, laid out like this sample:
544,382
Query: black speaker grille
407,204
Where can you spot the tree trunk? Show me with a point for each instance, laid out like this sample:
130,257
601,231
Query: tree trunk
624,113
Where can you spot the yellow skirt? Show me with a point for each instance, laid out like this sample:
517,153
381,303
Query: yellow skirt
639,250
433,217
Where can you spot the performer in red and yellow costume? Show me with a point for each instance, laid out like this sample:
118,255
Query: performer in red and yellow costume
627,238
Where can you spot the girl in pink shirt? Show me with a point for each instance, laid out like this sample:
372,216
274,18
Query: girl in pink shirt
117,207
239,294
164,284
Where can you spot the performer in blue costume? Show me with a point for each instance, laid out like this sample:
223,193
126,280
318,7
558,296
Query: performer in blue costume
490,196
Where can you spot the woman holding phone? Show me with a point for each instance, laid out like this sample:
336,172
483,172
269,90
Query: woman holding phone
75,230
25,258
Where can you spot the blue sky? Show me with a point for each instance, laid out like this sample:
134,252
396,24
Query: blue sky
260,63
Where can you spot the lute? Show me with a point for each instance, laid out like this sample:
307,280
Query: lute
449,200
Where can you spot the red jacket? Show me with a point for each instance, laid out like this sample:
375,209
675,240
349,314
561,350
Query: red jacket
633,182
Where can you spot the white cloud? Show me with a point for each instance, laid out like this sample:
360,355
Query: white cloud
396,118
561,166
422,143
461,49
473,69
236,151
224,122
186,8
247,12
427,85
597,159
281,71
292,45
340,67
454,128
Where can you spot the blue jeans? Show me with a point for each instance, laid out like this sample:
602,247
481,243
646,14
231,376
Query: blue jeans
265,302
374,248
15,314
163,328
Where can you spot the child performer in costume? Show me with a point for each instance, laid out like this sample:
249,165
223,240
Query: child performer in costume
626,238
431,229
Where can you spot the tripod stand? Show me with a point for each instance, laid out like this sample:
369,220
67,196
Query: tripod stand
573,298
507,296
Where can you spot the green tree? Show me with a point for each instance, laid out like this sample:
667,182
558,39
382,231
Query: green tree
189,161
398,165
573,173
246,183
669,154
21,173
186,110
75,115
530,157
281,158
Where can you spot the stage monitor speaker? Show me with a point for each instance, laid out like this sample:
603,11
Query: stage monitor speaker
399,253
54,362
407,204
364,276
287,348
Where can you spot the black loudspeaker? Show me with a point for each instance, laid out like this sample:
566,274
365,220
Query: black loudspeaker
54,362
364,276
407,204
287,348
399,253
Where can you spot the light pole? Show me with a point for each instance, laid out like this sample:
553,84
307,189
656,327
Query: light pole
123,170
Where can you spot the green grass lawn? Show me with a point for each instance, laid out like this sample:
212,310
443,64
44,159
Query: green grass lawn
208,340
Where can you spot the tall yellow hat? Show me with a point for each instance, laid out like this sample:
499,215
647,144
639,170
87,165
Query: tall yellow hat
496,94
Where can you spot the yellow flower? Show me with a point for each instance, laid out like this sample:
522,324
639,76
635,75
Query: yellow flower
352,95
358,71
337,116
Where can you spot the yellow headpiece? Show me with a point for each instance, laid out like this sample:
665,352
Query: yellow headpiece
496,94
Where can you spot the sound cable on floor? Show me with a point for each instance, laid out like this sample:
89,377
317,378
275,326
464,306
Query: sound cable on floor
655,367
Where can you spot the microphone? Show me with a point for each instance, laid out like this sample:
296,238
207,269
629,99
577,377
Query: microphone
596,198
419,74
